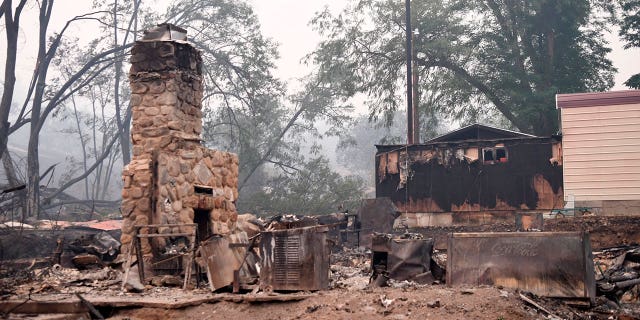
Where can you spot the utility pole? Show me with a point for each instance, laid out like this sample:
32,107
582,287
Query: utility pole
416,94
410,113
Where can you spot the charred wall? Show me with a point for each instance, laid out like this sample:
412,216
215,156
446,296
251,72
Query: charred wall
453,177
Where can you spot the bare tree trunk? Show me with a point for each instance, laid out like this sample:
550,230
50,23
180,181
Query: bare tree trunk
14,181
10,169
12,25
33,178
82,145
33,161
123,124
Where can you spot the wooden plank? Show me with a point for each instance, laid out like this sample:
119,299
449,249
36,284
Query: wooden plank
275,298
66,304
538,306
165,235
38,307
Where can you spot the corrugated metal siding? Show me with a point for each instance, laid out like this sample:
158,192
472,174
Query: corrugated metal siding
601,152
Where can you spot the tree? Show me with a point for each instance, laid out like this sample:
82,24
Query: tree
314,189
512,56
246,108
630,32
45,93
11,27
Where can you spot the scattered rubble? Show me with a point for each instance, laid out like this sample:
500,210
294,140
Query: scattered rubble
349,293
618,275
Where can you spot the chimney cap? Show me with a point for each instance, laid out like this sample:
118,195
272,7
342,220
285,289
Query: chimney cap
165,32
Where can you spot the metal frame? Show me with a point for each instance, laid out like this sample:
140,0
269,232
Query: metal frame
135,243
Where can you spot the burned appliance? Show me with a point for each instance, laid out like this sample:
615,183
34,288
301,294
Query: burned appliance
295,259
401,258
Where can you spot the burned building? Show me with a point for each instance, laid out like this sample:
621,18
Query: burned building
172,180
475,175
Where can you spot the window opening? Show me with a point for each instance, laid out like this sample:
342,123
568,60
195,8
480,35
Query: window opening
487,154
203,190
501,155
494,155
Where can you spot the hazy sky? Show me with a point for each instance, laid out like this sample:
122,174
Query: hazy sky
285,21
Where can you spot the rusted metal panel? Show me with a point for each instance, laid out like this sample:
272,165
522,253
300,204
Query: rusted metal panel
295,259
552,264
409,258
401,259
376,215
223,255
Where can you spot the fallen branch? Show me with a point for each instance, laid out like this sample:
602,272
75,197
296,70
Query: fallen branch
89,306
539,307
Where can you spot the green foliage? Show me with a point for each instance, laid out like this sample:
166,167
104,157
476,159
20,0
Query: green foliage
512,57
248,112
313,189
630,24
630,32
633,82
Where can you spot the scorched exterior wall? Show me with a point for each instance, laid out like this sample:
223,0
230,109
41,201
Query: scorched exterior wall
451,177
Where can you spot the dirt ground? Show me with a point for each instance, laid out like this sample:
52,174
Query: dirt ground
605,232
432,302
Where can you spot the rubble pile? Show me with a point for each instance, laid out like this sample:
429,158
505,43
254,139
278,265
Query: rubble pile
57,279
350,268
618,275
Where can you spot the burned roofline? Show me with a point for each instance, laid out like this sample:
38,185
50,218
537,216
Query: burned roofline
595,99
443,137
389,147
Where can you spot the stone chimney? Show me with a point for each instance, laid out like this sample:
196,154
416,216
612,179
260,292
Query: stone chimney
172,178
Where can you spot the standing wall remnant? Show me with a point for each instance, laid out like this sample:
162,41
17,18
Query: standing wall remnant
172,178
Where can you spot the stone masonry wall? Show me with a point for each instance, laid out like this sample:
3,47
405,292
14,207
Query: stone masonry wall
171,173
212,170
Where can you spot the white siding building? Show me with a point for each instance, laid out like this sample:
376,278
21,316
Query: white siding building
601,150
